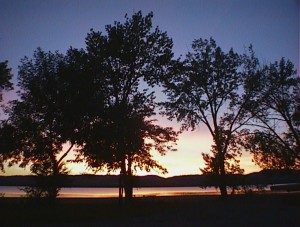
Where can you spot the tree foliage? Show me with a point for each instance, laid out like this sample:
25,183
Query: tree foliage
122,63
36,124
275,142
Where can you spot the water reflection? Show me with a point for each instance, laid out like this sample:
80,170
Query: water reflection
11,191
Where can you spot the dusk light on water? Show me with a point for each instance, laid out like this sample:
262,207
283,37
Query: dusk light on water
11,191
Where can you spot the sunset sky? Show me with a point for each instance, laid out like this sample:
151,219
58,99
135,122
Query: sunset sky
272,26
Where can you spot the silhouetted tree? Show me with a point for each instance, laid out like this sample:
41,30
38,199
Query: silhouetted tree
210,90
128,141
36,123
131,55
275,143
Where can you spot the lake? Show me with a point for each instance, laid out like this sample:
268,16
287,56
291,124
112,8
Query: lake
13,191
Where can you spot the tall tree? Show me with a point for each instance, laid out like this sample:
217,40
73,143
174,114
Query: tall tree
130,55
276,141
36,122
210,90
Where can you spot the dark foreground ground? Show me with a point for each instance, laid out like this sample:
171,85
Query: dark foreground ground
240,210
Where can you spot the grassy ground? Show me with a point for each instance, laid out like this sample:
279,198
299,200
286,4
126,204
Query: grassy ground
241,210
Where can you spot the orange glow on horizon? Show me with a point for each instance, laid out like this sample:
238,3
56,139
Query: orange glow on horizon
186,160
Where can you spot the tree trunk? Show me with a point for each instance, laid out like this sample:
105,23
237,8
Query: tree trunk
53,183
222,177
128,182
128,189
121,188
53,187
122,180
223,188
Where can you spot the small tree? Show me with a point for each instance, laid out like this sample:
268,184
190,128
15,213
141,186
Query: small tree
210,90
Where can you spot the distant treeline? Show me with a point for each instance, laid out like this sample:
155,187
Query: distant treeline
266,177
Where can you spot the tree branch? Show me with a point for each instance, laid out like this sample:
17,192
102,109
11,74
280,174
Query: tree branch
65,154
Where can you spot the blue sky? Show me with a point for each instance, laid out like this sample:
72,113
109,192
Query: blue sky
272,26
